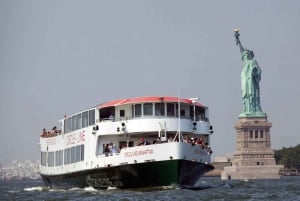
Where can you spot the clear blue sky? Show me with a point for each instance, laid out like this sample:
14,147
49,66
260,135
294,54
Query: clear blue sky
59,57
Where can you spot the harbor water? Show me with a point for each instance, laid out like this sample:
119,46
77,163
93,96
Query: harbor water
209,188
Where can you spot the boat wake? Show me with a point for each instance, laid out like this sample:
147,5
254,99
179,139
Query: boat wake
204,185
53,189
89,189
37,188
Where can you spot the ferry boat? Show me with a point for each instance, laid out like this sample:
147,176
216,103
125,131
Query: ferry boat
129,143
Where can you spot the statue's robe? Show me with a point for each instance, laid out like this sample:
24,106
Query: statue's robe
250,77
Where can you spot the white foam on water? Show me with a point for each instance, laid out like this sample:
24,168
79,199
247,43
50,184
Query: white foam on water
111,188
75,189
56,190
168,187
14,191
37,188
90,189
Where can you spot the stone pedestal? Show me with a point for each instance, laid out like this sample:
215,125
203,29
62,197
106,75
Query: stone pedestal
254,157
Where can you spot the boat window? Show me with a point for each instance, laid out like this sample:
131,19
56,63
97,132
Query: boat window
159,109
56,158
43,158
124,144
70,124
69,156
50,159
200,113
85,118
176,109
148,109
82,152
170,109
73,123
107,113
99,147
78,121
66,125
137,110
182,112
73,149
91,117
192,113
65,156
122,113
59,158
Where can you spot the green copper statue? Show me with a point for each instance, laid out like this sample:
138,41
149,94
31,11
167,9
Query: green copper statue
250,78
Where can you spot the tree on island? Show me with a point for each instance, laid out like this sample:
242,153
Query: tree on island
289,157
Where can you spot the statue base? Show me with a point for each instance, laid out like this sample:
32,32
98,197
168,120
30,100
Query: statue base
254,157
251,172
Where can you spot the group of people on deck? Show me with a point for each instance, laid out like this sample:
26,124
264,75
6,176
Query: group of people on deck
200,142
52,133
110,149
194,141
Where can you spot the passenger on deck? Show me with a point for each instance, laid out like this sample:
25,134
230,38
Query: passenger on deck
111,117
44,133
193,141
200,142
157,141
114,149
123,145
186,139
209,150
54,129
106,149
143,142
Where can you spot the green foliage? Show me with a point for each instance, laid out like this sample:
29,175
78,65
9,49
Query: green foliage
289,157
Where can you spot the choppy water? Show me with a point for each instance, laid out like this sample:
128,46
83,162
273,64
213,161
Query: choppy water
286,188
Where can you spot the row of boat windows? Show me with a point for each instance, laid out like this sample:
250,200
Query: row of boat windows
169,109
67,156
79,121
87,118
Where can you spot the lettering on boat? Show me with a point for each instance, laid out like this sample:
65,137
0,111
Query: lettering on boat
75,138
138,153
50,141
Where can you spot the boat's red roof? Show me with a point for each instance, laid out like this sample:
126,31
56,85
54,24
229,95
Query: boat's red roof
144,99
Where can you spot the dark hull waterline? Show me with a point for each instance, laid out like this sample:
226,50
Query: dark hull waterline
180,173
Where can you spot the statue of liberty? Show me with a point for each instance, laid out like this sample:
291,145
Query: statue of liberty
250,78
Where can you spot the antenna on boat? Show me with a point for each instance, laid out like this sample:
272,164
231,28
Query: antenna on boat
179,122
179,118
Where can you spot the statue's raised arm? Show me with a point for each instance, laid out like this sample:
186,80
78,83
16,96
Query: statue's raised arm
237,39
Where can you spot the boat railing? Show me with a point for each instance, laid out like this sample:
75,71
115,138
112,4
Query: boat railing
149,117
193,141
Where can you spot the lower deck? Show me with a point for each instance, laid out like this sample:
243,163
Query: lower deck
143,153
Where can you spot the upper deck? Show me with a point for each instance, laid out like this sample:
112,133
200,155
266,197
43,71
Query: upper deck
140,110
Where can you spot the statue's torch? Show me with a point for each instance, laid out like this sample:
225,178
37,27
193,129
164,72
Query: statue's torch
237,35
